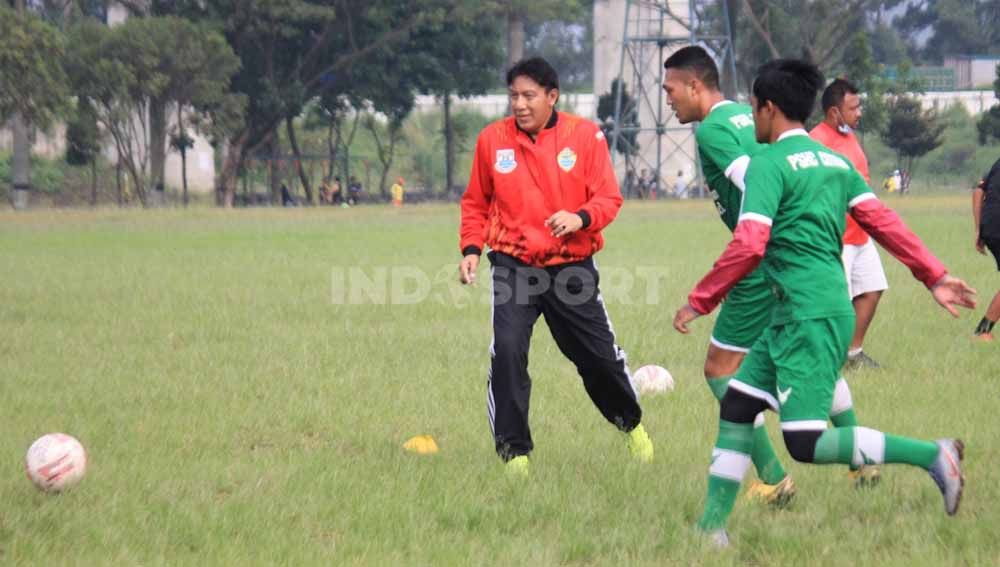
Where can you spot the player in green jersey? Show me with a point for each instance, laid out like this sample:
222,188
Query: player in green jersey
726,141
791,223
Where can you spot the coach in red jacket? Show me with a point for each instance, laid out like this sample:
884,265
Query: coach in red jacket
541,190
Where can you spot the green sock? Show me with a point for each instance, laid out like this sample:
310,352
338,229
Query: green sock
718,386
839,445
730,461
765,460
911,451
845,418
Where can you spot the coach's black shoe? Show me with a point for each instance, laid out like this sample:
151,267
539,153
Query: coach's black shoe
861,360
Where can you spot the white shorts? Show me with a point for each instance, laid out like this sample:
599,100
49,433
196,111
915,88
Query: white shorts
864,269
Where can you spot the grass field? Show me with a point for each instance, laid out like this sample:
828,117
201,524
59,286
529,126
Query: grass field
239,408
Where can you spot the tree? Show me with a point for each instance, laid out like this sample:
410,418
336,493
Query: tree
768,29
910,130
32,85
131,71
568,44
458,57
988,125
521,12
180,142
627,142
292,51
83,141
955,27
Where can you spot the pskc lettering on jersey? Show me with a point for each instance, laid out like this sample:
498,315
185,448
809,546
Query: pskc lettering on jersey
831,160
805,160
741,121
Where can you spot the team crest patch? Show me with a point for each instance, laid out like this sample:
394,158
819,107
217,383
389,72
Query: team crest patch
505,161
566,159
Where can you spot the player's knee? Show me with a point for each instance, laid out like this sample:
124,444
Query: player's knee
720,363
737,407
508,347
801,445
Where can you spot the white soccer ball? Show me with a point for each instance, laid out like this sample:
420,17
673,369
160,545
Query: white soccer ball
56,462
652,379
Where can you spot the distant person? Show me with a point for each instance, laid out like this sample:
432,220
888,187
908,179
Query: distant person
890,184
397,192
353,191
897,181
866,279
325,192
286,197
986,215
681,186
541,190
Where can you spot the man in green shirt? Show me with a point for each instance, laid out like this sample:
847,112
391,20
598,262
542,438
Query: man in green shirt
726,142
797,193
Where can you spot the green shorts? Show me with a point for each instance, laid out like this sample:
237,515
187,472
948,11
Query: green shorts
745,314
794,367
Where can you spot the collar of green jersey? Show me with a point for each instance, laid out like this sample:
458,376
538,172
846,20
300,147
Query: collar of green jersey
792,132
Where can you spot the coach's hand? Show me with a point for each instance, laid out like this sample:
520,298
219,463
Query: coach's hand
684,316
467,269
950,292
564,223
980,245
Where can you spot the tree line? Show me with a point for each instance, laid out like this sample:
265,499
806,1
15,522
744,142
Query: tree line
241,72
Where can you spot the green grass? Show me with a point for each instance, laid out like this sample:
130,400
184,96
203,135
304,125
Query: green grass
236,414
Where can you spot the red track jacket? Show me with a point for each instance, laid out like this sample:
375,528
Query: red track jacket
516,184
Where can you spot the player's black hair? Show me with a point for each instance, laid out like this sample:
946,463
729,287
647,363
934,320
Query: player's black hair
536,69
791,84
695,59
835,93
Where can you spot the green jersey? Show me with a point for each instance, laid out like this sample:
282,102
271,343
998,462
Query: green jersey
724,137
802,189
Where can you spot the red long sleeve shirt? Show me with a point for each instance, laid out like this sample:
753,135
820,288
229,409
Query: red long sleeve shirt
745,252
517,183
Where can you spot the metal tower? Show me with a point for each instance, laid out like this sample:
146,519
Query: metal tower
654,29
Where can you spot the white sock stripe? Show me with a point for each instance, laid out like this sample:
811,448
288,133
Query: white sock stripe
804,425
869,447
841,398
759,420
491,408
731,465
754,393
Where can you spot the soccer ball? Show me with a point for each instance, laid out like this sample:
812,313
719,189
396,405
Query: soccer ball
652,379
55,462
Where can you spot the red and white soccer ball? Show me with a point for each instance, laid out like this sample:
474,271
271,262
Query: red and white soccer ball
56,462
652,379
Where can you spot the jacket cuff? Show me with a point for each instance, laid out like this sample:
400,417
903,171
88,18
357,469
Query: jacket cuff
585,217
472,250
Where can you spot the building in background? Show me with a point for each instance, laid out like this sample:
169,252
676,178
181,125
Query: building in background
973,71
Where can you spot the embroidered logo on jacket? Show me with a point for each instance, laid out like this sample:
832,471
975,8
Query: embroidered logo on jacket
505,161
566,159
